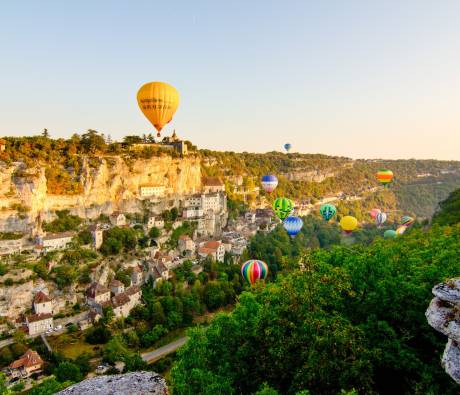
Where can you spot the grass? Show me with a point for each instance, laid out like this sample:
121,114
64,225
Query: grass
71,345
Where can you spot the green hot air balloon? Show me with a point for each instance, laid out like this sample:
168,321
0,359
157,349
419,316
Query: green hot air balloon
327,211
283,207
390,234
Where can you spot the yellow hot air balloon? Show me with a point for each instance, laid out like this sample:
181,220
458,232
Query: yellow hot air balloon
158,101
348,223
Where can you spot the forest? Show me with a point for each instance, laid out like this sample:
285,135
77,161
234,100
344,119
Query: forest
332,320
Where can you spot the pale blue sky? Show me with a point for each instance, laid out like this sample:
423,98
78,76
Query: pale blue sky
355,78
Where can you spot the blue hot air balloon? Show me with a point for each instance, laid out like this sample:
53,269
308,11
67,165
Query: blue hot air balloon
287,147
269,183
293,225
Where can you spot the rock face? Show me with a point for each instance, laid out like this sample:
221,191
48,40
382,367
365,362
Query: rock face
109,185
443,314
136,383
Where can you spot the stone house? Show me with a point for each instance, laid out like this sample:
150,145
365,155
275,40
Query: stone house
212,184
152,190
97,294
137,276
98,236
26,365
116,287
123,303
186,245
43,304
157,222
57,241
39,323
214,249
117,219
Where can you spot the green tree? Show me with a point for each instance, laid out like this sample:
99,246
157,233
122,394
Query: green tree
68,371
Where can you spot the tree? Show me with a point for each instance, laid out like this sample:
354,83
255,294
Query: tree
92,142
68,371
449,210
45,133
98,335
115,350
49,387
154,232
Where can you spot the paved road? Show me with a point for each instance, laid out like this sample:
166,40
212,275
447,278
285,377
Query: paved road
6,342
159,353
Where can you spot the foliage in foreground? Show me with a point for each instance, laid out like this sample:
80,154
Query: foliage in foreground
353,319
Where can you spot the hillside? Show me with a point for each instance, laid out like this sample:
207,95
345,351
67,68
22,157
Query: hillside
91,175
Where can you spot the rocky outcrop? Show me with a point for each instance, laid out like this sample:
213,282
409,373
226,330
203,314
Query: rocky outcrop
136,383
443,314
111,184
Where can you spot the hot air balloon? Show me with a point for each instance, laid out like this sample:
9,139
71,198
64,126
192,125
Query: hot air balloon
374,212
282,207
158,101
390,234
293,225
401,230
384,176
380,219
269,183
407,221
348,224
287,147
254,270
327,211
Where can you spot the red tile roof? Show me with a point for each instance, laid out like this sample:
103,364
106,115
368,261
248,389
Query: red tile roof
29,359
212,244
213,182
41,297
96,289
116,283
38,317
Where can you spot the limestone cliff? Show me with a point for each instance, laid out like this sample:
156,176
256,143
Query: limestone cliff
112,184
136,383
443,314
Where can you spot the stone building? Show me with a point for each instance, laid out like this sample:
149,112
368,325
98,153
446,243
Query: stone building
43,304
39,323
97,294
26,365
56,241
98,236
117,219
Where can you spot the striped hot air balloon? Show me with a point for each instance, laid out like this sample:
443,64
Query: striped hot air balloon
407,221
401,230
327,211
384,176
380,218
269,183
254,270
374,212
293,225
282,207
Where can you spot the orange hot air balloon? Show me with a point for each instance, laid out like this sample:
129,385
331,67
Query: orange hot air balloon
158,101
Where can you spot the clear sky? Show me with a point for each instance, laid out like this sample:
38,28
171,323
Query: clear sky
355,78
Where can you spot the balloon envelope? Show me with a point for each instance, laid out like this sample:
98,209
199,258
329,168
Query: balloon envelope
287,147
254,270
282,207
327,211
401,229
380,218
384,176
374,212
269,183
158,101
390,234
293,225
407,221
348,223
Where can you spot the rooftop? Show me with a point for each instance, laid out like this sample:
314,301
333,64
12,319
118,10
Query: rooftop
41,297
38,317
62,235
212,182
30,358
96,289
